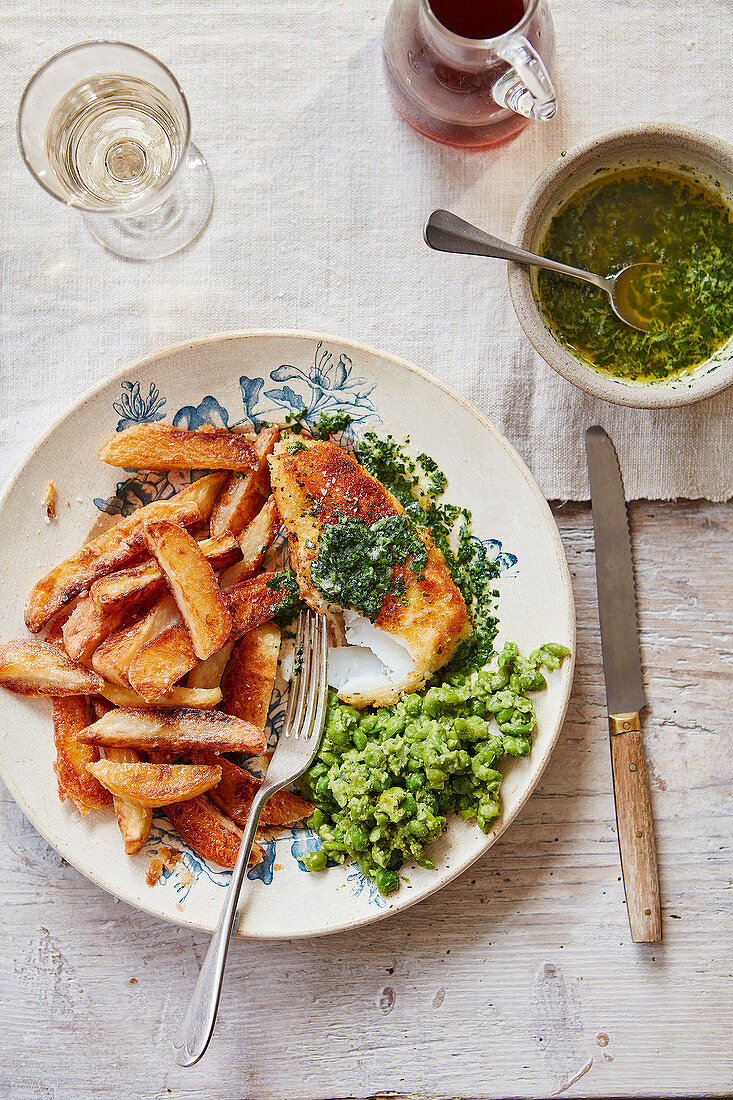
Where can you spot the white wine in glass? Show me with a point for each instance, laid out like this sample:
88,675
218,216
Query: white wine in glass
105,128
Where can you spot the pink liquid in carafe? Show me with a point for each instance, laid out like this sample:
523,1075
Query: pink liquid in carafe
478,18
449,101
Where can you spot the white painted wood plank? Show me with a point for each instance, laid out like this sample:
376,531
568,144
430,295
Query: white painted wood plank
510,982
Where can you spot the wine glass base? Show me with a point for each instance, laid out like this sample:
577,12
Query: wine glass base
170,228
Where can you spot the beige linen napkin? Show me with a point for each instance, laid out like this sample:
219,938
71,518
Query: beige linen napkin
321,192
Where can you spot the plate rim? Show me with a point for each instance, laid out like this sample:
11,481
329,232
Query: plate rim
567,670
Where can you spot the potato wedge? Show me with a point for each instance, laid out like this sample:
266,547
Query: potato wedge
155,784
133,820
72,757
196,698
211,835
127,588
178,729
34,667
243,495
87,626
110,550
235,790
208,674
250,675
99,707
254,543
112,659
254,601
167,756
193,585
161,662
115,547
54,633
163,447
204,492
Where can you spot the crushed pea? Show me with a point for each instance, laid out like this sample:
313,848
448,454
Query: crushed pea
385,780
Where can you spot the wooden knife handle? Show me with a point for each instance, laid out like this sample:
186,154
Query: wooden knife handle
635,828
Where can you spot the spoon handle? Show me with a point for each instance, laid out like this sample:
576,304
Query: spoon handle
447,233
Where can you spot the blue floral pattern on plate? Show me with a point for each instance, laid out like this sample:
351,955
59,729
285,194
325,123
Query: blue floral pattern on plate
136,409
193,866
208,412
328,386
331,387
134,492
495,552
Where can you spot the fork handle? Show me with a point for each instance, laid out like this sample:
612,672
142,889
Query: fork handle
197,1025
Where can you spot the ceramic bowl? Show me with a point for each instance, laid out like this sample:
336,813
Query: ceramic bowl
241,379
688,152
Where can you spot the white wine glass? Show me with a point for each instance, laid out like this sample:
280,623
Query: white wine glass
105,128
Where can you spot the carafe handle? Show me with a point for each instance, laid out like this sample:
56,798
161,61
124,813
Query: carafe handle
526,88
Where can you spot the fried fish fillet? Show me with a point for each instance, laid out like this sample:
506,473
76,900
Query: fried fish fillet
316,484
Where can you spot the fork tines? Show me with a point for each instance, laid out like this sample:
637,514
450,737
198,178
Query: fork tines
309,690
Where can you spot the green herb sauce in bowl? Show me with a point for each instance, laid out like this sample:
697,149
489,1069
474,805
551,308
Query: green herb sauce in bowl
682,221
636,216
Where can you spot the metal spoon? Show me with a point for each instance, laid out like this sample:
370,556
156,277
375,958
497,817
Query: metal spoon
447,233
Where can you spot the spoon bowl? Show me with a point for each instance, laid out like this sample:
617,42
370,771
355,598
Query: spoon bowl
626,301
446,232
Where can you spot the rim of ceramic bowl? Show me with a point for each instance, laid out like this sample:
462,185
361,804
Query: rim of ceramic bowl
77,857
668,142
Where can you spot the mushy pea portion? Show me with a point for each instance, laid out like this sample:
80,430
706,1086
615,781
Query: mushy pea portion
384,781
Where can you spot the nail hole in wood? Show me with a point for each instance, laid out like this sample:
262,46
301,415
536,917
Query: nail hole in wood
632,767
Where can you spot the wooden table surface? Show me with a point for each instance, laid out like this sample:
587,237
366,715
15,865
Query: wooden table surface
517,980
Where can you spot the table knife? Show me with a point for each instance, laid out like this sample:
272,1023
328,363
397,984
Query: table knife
624,687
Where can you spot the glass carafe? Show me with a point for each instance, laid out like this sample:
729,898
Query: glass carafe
469,92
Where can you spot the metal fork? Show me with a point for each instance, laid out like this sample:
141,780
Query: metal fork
297,745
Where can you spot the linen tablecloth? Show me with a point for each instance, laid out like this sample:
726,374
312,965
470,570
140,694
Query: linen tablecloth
321,192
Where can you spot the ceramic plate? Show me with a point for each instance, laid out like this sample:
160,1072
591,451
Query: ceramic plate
239,379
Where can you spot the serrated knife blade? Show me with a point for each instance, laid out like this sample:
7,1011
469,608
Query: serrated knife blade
614,577
624,688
